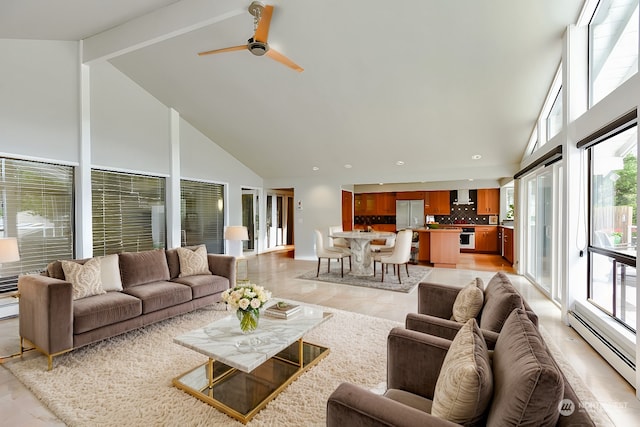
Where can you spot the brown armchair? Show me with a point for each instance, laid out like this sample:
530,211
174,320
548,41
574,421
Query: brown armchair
527,385
436,301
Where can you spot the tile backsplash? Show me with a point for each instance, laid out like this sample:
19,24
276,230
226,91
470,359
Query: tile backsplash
466,213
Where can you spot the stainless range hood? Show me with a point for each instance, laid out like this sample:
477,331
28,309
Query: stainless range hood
463,198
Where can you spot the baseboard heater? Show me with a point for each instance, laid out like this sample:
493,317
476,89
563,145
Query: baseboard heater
608,350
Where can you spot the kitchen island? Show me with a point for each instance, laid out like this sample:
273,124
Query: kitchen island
439,246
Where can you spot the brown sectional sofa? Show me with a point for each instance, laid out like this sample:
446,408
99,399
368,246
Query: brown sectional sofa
152,290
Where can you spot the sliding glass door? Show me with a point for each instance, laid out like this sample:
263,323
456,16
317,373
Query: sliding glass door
543,190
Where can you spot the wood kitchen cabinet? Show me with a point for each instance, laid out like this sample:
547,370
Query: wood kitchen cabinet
386,203
486,239
437,203
507,244
488,202
410,195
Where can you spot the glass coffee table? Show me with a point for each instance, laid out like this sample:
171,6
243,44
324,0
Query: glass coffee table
246,371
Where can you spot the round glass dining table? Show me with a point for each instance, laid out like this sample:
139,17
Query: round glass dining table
360,245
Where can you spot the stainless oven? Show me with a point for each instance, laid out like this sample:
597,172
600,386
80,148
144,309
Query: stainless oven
468,238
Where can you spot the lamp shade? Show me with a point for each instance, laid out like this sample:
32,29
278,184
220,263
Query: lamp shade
236,232
9,250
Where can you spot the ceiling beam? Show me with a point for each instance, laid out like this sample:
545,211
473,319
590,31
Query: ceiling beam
162,24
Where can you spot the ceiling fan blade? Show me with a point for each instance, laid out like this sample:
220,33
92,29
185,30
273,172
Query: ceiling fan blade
262,32
226,49
274,54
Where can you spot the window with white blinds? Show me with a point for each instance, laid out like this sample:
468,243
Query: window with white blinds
37,208
128,212
202,215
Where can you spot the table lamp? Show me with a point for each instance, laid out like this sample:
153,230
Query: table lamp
9,250
235,234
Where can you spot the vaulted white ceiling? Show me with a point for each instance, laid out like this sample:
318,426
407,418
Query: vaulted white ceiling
426,82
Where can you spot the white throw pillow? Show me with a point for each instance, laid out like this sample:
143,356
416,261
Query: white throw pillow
464,387
193,262
110,273
85,279
468,303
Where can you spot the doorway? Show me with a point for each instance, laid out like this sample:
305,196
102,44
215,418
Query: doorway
251,219
279,218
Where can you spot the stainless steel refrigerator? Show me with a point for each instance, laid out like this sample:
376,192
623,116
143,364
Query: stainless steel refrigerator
409,214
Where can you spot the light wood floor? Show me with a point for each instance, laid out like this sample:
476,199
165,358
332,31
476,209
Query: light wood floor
278,272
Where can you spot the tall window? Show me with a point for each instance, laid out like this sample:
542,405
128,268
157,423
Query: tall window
613,232
554,119
202,215
37,208
128,212
613,43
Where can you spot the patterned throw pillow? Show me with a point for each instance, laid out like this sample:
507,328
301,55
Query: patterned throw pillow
465,384
468,303
85,279
193,262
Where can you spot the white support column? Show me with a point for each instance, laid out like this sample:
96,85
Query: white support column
83,215
173,183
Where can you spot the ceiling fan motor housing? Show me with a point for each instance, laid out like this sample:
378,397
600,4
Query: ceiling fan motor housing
257,48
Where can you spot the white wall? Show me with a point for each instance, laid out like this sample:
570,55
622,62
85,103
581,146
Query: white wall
201,159
321,203
129,127
39,112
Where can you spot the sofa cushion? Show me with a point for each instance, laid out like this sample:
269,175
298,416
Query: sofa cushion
193,262
110,273
84,278
465,383
102,310
468,303
528,385
173,261
139,268
204,284
500,299
54,268
158,295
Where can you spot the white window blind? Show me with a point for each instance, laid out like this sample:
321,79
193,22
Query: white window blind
128,212
37,208
202,215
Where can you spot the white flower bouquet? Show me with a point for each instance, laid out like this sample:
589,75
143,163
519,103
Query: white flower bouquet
246,300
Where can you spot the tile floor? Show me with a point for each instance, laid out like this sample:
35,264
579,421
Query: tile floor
278,272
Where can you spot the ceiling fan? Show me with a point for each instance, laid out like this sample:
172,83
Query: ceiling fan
258,43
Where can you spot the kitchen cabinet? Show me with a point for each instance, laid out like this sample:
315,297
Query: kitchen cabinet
410,195
437,203
507,244
424,246
386,203
486,239
488,202
365,204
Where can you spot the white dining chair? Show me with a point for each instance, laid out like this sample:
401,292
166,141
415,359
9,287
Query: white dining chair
337,242
401,254
329,254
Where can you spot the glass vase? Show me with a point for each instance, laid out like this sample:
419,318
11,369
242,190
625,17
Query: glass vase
248,320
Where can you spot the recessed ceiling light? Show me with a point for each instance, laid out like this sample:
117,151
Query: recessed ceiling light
348,166
470,179
315,168
476,157
400,163
381,183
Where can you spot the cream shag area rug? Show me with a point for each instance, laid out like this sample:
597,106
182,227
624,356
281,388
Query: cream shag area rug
126,380
417,274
